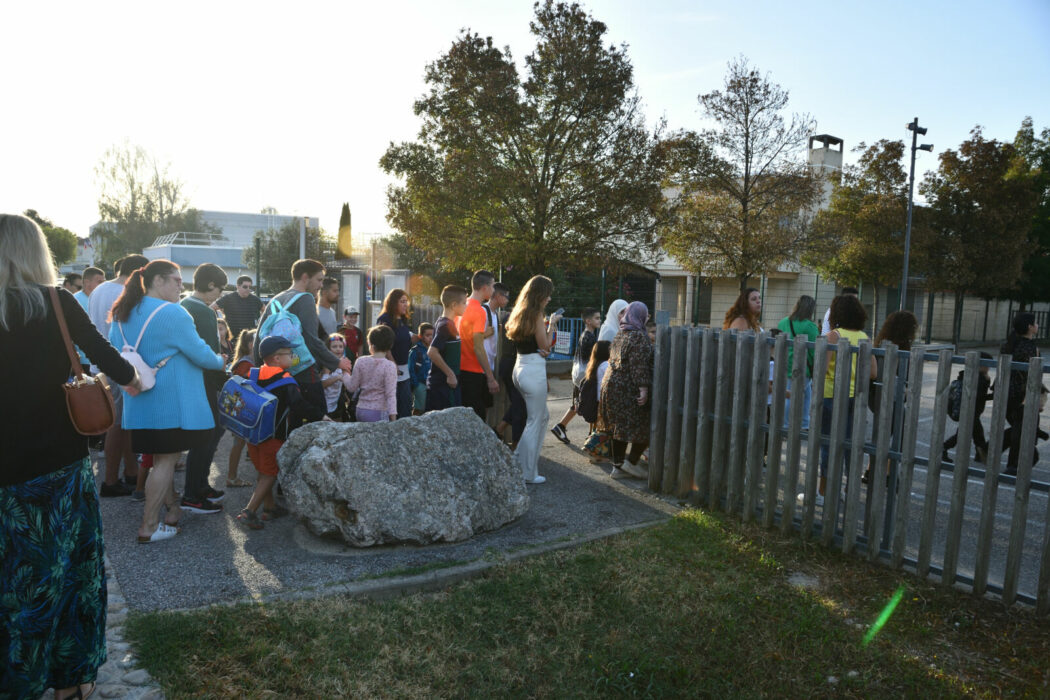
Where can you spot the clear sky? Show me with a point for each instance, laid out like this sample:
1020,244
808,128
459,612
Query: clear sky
291,105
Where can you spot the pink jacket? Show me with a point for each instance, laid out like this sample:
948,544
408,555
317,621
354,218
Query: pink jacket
376,377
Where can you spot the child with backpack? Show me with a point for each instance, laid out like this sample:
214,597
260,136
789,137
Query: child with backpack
336,381
984,395
241,366
292,411
419,368
376,376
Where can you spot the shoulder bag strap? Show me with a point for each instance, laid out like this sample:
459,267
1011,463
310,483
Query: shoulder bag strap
78,369
148,319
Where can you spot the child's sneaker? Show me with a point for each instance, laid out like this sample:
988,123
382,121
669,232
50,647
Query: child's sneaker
273,513
249,519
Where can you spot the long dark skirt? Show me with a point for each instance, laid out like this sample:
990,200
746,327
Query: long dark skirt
52,582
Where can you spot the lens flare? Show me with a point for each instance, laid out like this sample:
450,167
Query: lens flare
884,616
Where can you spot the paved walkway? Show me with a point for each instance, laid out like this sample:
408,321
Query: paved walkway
216,561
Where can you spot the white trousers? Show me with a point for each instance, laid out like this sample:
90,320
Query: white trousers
530,376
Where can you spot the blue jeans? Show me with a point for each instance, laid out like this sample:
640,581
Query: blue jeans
825,430
807,398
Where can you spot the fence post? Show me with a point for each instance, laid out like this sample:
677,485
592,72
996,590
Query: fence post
816,413
961,473
1024,478
933,474
759,389
689,418
839,416
776,433
746,344
857,439
658,404
705,407
723,388
877,480
664,481
912,409
990,495
794,443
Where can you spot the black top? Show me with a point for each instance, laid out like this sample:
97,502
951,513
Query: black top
240,313
402,338
584,347
526,347
35,430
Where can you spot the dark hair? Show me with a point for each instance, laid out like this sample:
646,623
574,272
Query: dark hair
899,328
390,306
1020,328
129,263
452,294
804,308
242,279
741,308
589,311
137,285
93,272
424,327
229,335
328,282
481,278
72,278
208,275
244,343
501,288
307,267
850,290
847,312
381,337
599,354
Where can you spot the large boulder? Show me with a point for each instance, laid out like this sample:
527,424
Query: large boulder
439,477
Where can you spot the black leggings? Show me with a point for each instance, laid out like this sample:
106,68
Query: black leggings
619,449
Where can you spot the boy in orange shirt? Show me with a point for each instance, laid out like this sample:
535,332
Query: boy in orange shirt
477,379
292,411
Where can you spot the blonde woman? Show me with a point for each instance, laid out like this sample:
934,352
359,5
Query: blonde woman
532,339
52,579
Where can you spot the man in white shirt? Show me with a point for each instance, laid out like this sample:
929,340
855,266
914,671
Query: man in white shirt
499,298
825,327
118,440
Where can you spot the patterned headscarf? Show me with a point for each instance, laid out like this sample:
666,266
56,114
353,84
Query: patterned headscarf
635,318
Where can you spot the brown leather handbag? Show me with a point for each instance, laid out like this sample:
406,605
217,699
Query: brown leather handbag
88,399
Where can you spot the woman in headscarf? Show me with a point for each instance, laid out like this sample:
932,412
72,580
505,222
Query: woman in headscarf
624,407
611,326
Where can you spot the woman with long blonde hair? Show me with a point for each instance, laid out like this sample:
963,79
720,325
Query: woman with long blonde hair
532,339
52,577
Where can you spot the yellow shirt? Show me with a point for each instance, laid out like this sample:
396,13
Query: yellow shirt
854,338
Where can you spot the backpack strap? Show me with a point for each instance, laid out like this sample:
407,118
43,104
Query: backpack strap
143,331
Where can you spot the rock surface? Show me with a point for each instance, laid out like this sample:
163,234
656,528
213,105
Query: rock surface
439,477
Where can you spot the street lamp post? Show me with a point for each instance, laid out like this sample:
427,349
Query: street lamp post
915,130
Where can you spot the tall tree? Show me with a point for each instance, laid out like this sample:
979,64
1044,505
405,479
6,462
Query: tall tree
279,248
859,236
345,247
1034,163
980,215
61,241
138,200
555,169
747,193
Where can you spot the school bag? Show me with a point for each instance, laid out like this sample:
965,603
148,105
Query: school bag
248,410
284,323
955,399
130,353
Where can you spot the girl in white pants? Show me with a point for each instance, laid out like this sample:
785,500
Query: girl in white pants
532,340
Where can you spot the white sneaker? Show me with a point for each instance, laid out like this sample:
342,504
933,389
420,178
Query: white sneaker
537,480
618,473
636,471
819,501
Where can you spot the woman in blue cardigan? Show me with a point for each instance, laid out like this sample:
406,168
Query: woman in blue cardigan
174,415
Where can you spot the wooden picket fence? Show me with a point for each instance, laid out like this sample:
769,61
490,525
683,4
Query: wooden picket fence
711,442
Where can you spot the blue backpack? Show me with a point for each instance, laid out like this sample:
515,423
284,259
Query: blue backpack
284,323
249,411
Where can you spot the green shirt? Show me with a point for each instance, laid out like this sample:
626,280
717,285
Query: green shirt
806,328
207,325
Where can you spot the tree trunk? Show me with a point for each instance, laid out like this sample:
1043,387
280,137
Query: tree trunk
957,318
743,282
875,312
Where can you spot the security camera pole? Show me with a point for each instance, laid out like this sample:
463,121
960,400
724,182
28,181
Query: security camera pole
915,130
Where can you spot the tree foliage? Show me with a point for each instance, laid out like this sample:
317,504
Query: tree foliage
280,248
138,200
1034,163
61,241
553,169
746,194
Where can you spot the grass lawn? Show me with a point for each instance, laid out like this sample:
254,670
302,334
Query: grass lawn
700,606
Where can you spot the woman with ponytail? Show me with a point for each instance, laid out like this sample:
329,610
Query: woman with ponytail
174,415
